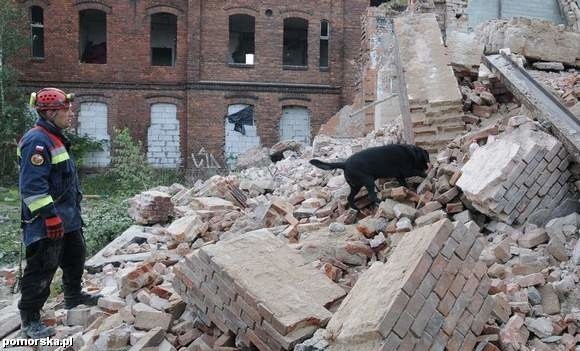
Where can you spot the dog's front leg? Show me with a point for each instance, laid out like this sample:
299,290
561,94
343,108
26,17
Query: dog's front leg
403,181
370,185
354,189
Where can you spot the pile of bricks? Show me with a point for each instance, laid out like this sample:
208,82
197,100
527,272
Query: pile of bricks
479,100
257,288
536,177
151,207
432,292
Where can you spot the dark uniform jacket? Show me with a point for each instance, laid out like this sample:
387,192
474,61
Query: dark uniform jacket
49,184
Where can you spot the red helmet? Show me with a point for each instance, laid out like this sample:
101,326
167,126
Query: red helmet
50,99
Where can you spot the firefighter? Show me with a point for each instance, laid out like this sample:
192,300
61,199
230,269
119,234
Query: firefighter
51,212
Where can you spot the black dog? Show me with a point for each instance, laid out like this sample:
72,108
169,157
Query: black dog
390,161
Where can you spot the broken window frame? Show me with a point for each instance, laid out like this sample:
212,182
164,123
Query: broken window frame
91,55
173,48
324,49
37,32
302,43
250,46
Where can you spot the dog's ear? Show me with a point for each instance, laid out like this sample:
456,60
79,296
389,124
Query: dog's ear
422,158
425,156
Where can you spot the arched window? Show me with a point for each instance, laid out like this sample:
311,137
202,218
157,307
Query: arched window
295,42
241,42
163,39
37,31
93,36
324,43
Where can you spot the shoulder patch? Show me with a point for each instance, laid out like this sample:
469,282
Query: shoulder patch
37,159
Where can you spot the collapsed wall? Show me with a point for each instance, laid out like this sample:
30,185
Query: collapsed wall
533,38
432,292
434,99
256,287
522,172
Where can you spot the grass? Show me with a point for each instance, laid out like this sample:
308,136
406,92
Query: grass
9,226
104,210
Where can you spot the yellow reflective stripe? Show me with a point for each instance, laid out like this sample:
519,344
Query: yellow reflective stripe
60,158
18,152
40,203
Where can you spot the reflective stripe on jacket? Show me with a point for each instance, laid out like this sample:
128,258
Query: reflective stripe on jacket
48,182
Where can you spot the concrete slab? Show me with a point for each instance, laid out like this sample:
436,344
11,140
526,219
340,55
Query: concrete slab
434,110
427,72
134,234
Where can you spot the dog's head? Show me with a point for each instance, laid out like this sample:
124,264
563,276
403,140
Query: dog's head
422,157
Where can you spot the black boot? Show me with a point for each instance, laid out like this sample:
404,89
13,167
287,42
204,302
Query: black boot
32,327
81,298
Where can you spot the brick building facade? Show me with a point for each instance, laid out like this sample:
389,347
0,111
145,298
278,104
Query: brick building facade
172,71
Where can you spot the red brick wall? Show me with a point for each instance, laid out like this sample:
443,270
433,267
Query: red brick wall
128,83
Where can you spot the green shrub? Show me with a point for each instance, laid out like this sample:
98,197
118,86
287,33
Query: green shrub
129,167
82,145
10,233
14,114
104,221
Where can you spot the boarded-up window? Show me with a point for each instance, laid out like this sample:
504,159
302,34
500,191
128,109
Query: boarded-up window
163,143
237,142
93,122
295,124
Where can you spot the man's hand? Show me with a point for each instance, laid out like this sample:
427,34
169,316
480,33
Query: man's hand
54,227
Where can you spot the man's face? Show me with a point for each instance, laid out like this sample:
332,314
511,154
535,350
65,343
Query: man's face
62,118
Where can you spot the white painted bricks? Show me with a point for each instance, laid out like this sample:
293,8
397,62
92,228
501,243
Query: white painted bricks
92,120
163,137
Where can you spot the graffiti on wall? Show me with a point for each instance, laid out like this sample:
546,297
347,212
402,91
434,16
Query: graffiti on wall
205,159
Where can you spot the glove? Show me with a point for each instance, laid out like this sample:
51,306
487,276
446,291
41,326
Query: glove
54,227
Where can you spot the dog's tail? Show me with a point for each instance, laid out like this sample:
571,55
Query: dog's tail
327,166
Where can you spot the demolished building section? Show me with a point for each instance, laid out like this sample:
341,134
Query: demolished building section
431,292
533,38
435,104
268,271
258,288
482,254
530,173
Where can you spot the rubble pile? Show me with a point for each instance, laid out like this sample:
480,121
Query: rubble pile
566,85
431,292
538,39
479,100
265,257
535,284
271,299
151,207
530,173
